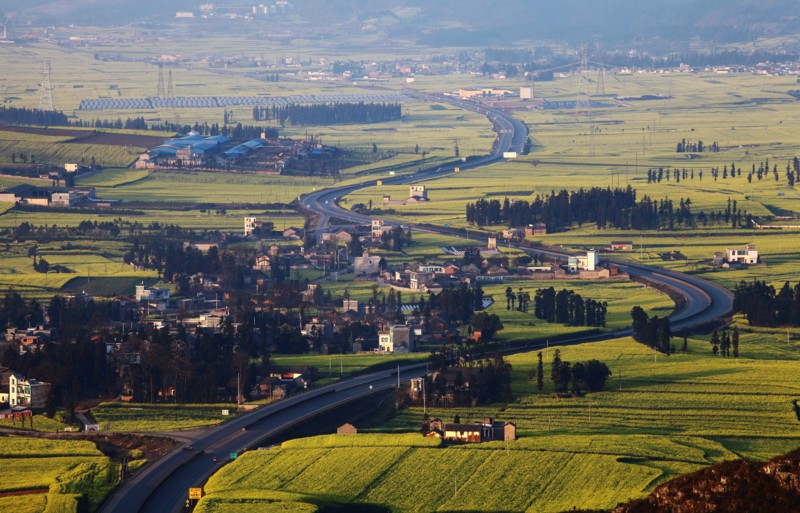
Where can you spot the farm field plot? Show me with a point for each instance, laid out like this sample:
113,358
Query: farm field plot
188,218
621,296
58,149
63,470
98,264
145,417
455,478
24,503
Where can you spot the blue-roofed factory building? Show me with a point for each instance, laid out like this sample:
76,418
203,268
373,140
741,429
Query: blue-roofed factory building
264,156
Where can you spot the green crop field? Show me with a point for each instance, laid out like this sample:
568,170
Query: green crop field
24,503
63,471
658,417
142,417
95,267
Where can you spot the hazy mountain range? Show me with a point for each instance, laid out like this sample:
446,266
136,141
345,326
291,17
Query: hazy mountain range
668,22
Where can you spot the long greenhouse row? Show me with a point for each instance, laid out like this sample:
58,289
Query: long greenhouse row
234,101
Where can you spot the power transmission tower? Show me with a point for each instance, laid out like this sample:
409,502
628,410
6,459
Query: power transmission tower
46,92
601,82
160,87
169,86
582,102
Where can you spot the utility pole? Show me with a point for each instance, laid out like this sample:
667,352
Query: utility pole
424,402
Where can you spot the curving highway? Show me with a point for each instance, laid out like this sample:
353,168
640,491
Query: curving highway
162,485
703,301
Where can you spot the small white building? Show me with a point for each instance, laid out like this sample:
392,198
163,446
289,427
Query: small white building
250,224
399,339
747,255
586,262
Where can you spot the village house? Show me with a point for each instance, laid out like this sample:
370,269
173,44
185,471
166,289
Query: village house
621,245
293,233
366,264
536,230
417,192
587,262
747,255
398,339
378,228
29,339
340,236
416,279
17,391
488,430
252,226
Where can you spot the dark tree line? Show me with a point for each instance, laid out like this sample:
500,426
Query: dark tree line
395,239
763,171
36,117
654,333
723,344
616,208
24,116
568,308
457,303
329,113
575,378
763,306
485,381
685,146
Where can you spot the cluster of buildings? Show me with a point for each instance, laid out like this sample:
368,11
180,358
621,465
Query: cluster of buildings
262,155
487,430
28,194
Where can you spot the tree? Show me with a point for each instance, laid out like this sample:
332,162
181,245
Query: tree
595,375
539,373
735,341
555,370
487,324
715,343
578,377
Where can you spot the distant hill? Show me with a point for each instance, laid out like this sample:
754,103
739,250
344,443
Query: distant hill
477,22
